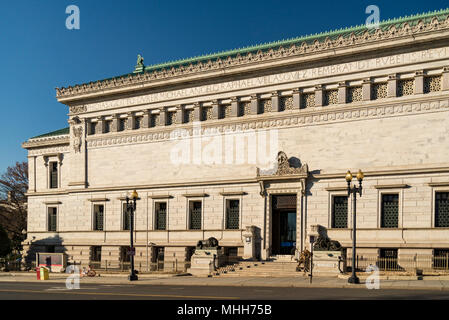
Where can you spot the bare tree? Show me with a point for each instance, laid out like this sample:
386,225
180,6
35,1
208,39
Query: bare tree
13,201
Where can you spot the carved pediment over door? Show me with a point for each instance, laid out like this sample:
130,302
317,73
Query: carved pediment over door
283,170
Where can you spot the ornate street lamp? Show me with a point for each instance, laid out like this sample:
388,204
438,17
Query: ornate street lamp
131,208
354,190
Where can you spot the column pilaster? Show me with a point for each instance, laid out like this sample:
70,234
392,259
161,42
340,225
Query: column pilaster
254,104
342,89
392,86
419,82
297,99
318,96
366,89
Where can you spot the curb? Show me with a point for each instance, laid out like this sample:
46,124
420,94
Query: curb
244,283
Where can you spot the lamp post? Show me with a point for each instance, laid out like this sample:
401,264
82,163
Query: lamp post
131,208
354,190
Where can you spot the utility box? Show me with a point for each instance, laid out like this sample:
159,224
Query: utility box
44,273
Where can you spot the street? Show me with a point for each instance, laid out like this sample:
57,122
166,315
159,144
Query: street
58,291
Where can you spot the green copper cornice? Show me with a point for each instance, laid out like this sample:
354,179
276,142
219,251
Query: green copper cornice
345,32
433,21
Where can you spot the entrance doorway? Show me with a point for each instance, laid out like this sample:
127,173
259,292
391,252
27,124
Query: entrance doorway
284,225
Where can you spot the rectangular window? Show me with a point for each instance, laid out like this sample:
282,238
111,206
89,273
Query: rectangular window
158,254
390,211
107,126
53,175
124,255
161,215
195,215
339,212
138,123
95,254
122,122
52,216
93,128
98,217
232,214
154,120
442,209
126,216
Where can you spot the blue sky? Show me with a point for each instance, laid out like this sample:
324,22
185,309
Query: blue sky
38,52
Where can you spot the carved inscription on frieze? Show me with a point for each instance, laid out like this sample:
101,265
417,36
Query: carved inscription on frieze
305,74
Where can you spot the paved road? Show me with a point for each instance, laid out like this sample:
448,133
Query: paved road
57,291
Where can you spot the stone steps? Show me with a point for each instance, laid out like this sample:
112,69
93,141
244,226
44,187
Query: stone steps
260,268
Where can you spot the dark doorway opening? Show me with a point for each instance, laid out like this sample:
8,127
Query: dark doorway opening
284,225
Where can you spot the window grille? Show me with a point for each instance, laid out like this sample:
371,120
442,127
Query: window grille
93,128
354,94
126,218
244,108
171,118
154,120
405,87
195,215
340,212
390,211
161,215
189,116
232,214
284,202
330,97
265,106
95,254
432,84
225,111
98,217
53,175
206,113
138,122
52,215
122,123
442,209
308,100
286,103
379,90
107,126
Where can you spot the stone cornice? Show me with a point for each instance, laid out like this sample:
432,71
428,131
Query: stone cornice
232,193
342,188
45,142
300,118
195,195
439,184
404,35
98,200
391,186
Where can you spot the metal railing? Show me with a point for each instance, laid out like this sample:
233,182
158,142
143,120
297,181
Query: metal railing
142,267
17,266
427,263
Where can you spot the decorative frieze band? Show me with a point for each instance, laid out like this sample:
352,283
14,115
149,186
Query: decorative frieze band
46,151
302,118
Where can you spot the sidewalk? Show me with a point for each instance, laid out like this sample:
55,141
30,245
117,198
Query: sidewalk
428,283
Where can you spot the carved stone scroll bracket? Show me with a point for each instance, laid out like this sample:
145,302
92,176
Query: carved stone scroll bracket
263,192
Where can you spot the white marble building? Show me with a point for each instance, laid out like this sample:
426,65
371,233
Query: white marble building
197,139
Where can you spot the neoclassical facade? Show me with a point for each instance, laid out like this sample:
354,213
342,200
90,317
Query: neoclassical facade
254,144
